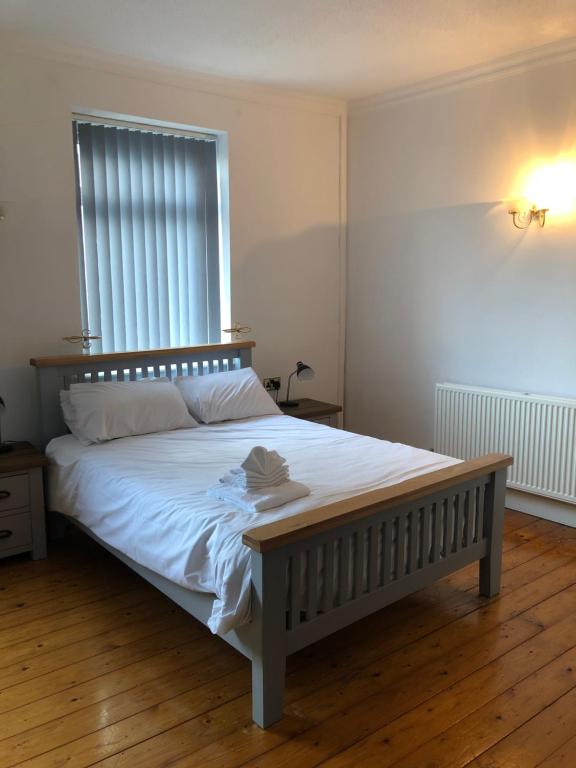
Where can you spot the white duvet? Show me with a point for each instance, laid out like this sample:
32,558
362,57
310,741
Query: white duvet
146,495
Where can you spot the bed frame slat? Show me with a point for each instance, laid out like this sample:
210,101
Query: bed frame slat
480,508
400,570
387,552
344,571
312,584
449,527
374,533
295,590
425,549
459,522
359,541
437,527
470,516
329,576
413,539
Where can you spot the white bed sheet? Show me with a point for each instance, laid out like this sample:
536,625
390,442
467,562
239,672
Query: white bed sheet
146,495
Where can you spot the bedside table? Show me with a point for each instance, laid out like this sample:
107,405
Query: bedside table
314,410
22,523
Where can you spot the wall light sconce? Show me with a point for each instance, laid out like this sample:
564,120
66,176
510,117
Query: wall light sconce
523,219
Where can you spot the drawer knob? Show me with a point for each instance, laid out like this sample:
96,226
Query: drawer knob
5,534
4,495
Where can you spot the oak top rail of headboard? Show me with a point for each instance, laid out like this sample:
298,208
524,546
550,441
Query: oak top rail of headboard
142,354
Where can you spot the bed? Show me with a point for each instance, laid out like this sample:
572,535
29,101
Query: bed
383,520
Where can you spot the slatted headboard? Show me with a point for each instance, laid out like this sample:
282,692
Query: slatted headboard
56,373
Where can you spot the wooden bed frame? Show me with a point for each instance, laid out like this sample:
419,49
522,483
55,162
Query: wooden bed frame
318,571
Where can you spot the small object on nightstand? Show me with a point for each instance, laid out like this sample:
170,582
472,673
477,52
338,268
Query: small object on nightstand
314,410
22,523
303,372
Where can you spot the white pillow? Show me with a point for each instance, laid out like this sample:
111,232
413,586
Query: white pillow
68,411
104,411
226,396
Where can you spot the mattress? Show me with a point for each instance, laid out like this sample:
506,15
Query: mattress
146,495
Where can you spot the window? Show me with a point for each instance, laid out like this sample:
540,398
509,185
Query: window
150,235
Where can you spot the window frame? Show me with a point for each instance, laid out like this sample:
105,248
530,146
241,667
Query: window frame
152,125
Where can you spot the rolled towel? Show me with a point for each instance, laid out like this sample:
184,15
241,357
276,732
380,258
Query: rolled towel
260,500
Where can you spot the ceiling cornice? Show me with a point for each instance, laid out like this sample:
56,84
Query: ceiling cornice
498,69
212,85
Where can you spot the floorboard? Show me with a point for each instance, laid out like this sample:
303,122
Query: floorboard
98,669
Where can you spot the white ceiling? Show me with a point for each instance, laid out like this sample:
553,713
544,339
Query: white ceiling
347,48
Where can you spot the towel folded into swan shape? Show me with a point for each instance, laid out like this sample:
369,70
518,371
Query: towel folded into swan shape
247,480
261,482
260,469
261,461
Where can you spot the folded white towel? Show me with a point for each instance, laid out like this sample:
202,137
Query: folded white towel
227,480
242,480
252,486
239,472
261,461
260,469
259,500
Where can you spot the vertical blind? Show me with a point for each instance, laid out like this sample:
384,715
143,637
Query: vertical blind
148,213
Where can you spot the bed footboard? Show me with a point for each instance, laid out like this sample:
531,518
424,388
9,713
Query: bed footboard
319,571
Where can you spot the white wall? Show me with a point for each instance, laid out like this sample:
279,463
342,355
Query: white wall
286,166
441,287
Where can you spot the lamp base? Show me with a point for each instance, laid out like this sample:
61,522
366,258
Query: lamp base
289,403
5,447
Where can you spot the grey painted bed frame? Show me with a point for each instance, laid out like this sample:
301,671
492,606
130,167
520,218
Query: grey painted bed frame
318,571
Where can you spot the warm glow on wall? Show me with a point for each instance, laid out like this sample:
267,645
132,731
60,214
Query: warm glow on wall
553,186
549,186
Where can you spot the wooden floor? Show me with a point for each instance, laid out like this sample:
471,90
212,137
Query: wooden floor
97,668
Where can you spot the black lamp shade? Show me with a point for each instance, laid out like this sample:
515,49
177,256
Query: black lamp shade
304,372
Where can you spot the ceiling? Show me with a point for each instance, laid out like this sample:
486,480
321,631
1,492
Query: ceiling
345,48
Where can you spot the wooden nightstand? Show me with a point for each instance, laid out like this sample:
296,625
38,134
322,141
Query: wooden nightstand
22,523
314,410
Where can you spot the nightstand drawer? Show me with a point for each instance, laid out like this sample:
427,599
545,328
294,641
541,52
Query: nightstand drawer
14,492
15,531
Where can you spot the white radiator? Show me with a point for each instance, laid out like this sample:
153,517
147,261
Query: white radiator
538,431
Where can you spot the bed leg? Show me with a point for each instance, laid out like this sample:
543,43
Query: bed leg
491,564
268,618
268,689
